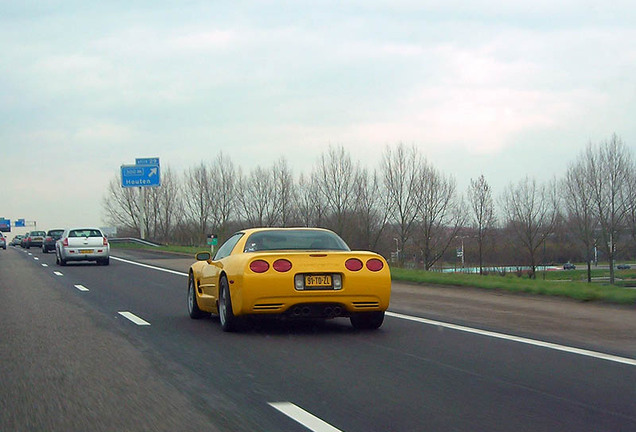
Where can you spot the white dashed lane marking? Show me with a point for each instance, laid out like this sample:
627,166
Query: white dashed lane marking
306,419
81,287
134,318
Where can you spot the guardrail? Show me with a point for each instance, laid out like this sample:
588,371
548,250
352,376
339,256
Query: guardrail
134,240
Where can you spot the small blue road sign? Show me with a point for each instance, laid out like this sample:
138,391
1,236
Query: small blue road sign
5,225
147,161
19,223
140,175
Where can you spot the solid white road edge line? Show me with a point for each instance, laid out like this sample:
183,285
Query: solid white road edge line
595,354
306,419
134,318
81,287
149,266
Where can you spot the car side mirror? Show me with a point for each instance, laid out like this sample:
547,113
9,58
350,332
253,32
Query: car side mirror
203,256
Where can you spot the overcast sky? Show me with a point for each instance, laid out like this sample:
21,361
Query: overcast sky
500,88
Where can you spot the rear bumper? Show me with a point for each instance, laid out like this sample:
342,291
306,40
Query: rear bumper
314,304
75,255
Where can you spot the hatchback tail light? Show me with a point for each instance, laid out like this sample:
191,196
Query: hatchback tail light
65,242
105,243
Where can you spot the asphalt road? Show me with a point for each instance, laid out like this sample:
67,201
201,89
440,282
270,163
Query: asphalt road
75,357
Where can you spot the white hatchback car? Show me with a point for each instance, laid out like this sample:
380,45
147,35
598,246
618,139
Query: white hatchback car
82,244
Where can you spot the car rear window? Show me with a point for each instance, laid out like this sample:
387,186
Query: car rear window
37,233
294,240
85,233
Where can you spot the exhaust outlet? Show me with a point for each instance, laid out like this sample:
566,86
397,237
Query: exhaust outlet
337,311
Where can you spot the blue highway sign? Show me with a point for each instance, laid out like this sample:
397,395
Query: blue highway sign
140,175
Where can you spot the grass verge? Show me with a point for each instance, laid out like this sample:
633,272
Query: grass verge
184,250
582,291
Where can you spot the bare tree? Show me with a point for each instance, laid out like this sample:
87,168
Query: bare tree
167,202
483,213
400,170
258,204
531,211
223,192
334,178
579,205
121,206
608,167
310,209
630,199
440,213
370,212
285,191
196,199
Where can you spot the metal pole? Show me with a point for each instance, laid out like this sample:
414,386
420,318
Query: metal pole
142,219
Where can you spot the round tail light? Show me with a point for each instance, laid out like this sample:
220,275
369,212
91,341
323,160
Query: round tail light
375,265
282,265
259,266
353,264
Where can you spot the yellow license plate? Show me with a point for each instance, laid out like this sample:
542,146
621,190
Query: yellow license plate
312,281
86,251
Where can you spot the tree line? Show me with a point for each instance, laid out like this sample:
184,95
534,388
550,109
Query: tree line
405,208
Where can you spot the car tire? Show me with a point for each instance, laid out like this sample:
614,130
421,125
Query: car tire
59,260
229,321
44,250
367,320
193,306
104,261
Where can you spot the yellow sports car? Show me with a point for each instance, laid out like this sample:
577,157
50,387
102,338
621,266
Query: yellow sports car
292,273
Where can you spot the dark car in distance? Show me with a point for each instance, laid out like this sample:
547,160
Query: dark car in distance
49,240
569,266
